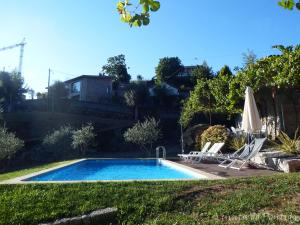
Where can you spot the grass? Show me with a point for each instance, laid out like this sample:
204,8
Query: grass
263,200
14,174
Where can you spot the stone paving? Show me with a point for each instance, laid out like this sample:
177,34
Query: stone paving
213,168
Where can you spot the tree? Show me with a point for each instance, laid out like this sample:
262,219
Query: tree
135,96
139,77
274,72
144,134
209,96
274,79
200,100
83,137
249,58
135,18
219,87
31,92
130,98
9,144
11,88
41,95
288,66
168,68
268,77
58,90
57,144
116,68
202,72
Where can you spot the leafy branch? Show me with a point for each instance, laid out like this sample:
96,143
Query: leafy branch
289,4
137,18
141,17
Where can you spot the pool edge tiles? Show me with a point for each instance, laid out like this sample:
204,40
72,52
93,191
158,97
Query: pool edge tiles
204,175
196,174
22,179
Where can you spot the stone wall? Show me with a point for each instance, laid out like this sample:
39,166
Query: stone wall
281,113
288,121
278,160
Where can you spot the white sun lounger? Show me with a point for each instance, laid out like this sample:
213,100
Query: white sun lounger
190,155
214,153
237,161
240,153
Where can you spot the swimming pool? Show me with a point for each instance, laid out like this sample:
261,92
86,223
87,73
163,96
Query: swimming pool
117,170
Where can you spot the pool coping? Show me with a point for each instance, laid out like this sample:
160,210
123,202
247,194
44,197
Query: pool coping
22,179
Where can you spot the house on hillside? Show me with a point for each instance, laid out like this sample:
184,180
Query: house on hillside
187,71
90,88
172,91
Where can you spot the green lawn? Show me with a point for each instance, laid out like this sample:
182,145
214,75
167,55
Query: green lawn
14,174
264,200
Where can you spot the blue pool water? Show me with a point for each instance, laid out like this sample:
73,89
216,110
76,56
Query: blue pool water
117,169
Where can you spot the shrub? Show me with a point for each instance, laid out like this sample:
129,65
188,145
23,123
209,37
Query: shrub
83,137
9,144
289,145
144,134
236,142
58,143
214,134
58,135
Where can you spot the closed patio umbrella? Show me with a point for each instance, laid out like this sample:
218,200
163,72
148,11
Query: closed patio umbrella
251,120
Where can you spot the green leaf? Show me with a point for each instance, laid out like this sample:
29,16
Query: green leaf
298,5
126,17
146,21
154,6
140,18
120,6
287,4
146,8
282,3
137,23
290,4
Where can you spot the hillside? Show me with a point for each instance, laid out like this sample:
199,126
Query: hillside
32,126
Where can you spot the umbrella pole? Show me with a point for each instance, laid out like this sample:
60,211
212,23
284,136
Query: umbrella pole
248,138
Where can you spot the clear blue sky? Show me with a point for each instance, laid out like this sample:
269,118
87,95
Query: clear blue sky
77,36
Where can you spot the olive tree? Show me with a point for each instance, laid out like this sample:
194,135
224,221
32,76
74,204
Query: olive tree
58,142
83,137
9,144
144,134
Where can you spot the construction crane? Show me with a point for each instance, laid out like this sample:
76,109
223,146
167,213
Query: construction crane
21,45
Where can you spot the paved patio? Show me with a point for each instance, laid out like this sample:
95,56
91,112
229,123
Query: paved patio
213,168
